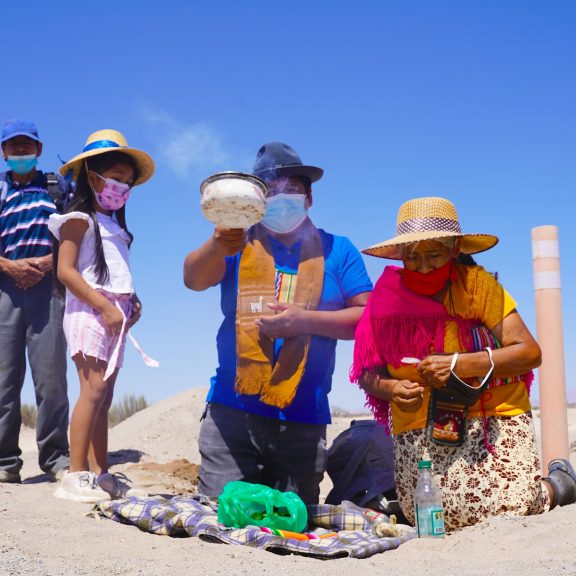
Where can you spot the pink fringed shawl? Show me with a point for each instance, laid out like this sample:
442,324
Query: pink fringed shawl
397,322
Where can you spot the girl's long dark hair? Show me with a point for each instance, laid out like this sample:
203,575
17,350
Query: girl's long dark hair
83,201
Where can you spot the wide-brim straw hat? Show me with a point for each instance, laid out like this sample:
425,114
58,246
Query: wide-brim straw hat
103,141
429,218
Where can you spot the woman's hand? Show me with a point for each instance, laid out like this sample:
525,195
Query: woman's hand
136,312
435,370
112,318
370,381
407,395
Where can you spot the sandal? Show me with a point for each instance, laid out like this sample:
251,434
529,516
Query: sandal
562,478
562,464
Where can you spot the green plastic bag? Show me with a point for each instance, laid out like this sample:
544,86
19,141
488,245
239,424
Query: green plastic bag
242,503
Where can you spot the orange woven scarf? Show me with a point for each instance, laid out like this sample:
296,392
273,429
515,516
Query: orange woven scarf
256,372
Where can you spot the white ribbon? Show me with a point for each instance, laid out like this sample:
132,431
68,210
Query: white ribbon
147,359
114,358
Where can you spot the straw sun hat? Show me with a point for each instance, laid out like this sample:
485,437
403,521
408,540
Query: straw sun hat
104,141
429,219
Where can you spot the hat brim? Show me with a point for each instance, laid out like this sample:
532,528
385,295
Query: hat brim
469,243
27,134
142,159
311,172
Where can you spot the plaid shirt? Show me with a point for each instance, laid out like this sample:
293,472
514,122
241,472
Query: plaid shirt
24,219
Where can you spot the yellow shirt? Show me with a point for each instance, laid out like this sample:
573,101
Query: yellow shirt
477,295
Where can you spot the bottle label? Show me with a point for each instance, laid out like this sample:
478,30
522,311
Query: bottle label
430,521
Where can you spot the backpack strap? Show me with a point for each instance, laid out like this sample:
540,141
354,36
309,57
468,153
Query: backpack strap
3,189
58,190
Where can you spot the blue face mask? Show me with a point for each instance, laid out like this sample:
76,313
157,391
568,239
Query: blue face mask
22,164
285,212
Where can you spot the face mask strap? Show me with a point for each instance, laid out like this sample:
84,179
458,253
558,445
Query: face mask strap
87,179
107,180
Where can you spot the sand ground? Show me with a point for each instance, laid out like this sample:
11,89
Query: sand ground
43,536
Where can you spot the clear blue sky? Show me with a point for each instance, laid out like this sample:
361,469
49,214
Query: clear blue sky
474,101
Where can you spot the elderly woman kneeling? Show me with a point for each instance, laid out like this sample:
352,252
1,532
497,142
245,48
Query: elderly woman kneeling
446,362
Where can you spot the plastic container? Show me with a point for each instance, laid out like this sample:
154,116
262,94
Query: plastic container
233,199
428,504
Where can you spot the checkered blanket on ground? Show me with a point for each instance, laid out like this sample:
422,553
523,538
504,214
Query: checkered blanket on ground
197,516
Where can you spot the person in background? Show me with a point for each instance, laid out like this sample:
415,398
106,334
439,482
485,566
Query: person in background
101,303
31,310
289,291
445,358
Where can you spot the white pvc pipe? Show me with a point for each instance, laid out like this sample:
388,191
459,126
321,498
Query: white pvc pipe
551,374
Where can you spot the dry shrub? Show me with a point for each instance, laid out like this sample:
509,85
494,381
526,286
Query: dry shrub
29,414
118,411
129,405
343,413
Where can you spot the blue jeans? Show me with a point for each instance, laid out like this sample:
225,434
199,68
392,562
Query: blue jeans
32,319
236,445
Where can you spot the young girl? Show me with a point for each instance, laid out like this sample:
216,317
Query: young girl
101,304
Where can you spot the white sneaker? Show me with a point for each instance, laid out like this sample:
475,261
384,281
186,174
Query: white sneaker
116,485
80,487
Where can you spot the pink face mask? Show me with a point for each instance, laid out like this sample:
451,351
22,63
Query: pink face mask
114,194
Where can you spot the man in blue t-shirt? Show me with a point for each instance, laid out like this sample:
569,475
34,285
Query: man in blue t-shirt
289,291
31,312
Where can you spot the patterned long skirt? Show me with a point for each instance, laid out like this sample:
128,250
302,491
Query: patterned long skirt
476,483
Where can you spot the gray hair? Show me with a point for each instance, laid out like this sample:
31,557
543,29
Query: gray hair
448,243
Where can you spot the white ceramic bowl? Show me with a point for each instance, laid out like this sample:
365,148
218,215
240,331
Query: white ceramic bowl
233,199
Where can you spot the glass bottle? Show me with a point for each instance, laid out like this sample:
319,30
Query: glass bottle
428,503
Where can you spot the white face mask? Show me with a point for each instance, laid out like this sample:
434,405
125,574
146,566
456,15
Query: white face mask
285,212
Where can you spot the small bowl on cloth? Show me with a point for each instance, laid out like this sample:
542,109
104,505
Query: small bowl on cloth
233,199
